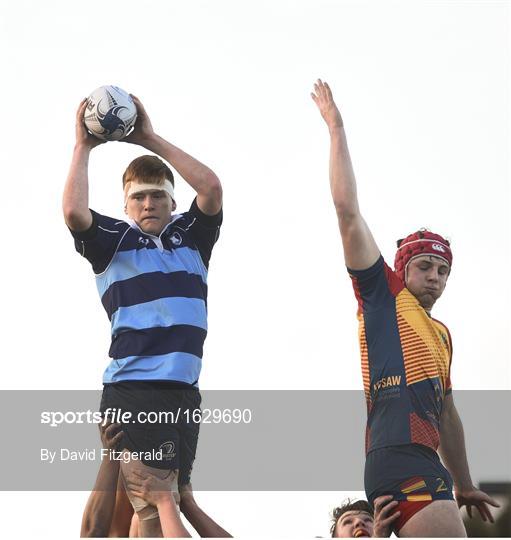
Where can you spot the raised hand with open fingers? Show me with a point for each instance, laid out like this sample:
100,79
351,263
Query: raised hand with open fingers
479,499
323,98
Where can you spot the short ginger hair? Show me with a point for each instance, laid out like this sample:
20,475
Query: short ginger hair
147,169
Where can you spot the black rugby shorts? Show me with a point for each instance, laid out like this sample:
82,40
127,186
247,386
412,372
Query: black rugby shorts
164,421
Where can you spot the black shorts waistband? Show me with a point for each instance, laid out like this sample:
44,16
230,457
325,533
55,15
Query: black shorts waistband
152,385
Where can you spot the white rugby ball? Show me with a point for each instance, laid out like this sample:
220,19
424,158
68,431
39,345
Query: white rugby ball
110,113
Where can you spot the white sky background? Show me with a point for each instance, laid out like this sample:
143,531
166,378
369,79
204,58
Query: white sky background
424,91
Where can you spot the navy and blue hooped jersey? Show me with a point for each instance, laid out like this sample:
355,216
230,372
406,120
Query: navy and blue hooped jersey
154,291
406,359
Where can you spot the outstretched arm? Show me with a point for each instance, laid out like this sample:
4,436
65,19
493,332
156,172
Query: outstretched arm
199,520
360,249
201,178
453,453
75,202
97,515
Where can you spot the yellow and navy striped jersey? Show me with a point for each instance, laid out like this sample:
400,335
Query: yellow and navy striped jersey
406,359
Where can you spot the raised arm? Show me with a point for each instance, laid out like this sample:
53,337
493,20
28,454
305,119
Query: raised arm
453,453
98,512
199,520
75,202
360,249
201,178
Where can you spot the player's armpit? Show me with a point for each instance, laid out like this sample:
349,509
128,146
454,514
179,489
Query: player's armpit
448,408
78,221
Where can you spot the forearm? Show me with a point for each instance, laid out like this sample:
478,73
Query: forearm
200,177
452,450
75,201
101,503
170,522
342,178
202,523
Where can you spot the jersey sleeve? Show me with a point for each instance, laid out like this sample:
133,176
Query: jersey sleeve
204,230
375,287
100,241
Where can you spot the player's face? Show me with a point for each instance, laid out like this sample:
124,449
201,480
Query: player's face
354,524
151,210
426,279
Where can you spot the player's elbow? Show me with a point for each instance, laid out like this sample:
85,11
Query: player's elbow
214,185
349,219
93,533
346,211
69,213
212,188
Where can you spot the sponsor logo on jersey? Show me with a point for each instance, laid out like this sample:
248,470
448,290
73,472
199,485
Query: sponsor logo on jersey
176,239
394,380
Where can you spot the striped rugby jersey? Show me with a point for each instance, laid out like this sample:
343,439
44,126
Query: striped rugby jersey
406,359
154,290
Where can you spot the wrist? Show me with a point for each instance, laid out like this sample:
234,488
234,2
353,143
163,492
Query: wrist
463,488
163,498
82,147
336,129
150,141
108,456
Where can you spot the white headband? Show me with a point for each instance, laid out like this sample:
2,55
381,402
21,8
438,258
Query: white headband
134,187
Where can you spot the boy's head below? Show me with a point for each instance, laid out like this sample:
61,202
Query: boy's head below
149,193
352,520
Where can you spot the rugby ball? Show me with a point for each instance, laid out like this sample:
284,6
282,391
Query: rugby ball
110,113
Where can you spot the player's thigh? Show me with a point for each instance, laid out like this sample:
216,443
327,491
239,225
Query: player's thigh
148,518
134,527
441,518
123,512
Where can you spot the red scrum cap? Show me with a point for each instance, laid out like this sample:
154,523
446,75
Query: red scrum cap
422,242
